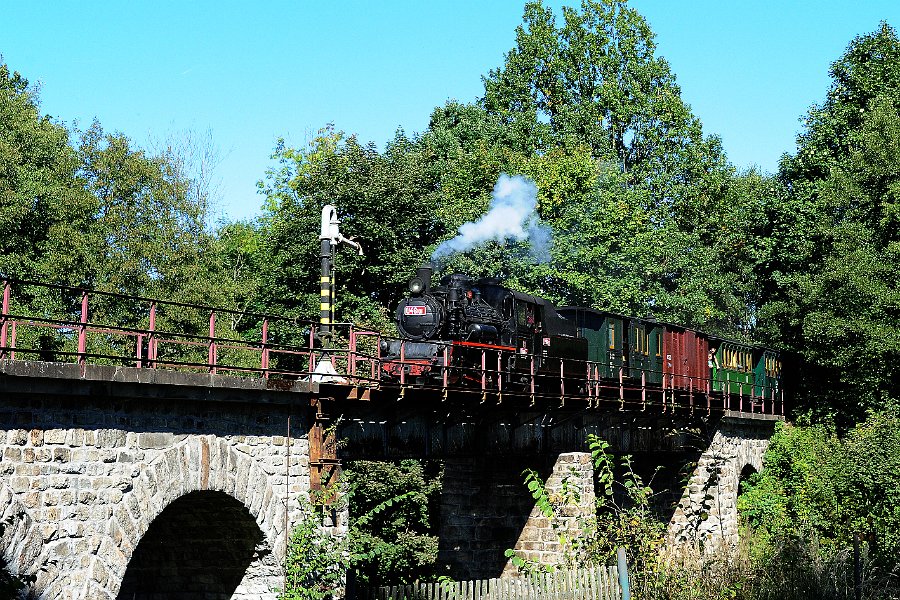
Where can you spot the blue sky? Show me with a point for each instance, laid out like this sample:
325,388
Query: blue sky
249,73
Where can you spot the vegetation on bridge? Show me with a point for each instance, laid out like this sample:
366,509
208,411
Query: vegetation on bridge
649,218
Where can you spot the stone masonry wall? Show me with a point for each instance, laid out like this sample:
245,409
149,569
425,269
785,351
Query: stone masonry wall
81,481
570,487
706,518
486,509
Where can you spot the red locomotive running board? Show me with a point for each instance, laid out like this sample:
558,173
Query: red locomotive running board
488,346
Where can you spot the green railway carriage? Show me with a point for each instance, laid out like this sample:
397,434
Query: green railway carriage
735,371
617,342
658,354
604,333
645,350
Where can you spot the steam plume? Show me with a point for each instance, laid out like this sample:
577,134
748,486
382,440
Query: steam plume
511,216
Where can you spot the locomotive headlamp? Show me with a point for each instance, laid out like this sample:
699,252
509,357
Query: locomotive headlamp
416,285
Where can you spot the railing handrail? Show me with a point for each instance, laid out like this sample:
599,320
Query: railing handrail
158,301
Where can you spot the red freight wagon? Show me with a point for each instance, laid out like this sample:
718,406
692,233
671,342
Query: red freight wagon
685,353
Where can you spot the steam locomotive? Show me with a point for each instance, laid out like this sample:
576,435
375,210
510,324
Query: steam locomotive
448,331
452,323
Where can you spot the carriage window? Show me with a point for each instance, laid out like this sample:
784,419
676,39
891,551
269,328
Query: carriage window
642,341
612,335
658,343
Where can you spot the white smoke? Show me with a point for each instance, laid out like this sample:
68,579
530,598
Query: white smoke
511,215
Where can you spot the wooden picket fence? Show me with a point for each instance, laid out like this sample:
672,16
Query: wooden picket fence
595,583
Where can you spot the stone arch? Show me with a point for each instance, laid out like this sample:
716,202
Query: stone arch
746,472
707,515
205,544
197,464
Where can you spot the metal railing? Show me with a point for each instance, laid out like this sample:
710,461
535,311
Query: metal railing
49,322
56,323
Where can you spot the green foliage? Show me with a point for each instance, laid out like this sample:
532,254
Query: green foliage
316,559
391,534
45,211
832,488
366,186
394,540
830,285
623,516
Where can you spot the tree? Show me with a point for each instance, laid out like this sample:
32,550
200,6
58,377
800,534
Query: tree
831,288
45,212
640,206
833,488
387,200
400,545
148,231
596,80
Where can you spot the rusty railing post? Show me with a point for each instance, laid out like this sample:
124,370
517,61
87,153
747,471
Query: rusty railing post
264,359
531,378
212,342
445,374
691,392
151,339
4,319
82,331
483,375
351,355
562,381
643,389
402,366
500,376
621,388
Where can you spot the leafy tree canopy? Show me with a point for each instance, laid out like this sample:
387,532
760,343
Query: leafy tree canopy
830,287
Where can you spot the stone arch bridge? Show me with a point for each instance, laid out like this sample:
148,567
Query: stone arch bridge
128,483
146,482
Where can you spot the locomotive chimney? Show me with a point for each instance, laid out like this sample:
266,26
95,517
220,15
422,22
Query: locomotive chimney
424,274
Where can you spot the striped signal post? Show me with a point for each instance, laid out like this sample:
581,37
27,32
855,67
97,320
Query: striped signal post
325,305
329,237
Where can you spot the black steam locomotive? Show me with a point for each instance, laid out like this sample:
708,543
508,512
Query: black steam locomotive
452,324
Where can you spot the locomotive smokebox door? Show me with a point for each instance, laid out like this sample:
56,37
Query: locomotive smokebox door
419,318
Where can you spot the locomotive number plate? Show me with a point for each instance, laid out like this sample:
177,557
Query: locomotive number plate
415,311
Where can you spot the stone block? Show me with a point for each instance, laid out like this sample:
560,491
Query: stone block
55,436
36,437
19,485
155,440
